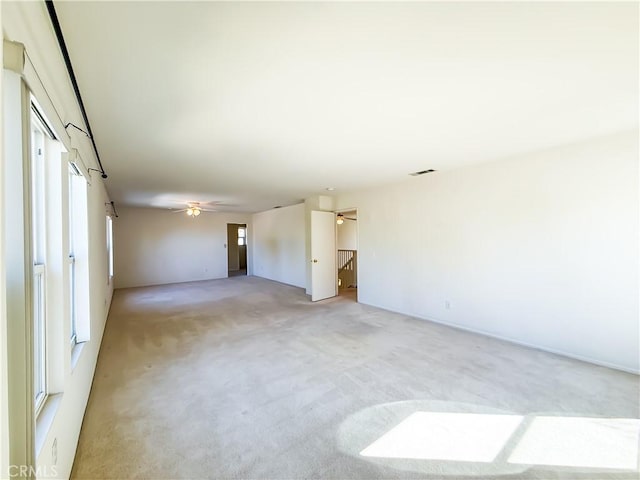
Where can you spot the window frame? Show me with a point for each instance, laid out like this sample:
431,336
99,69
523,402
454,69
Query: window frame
38,132
242,239
77,260
109,234
40,362
71,259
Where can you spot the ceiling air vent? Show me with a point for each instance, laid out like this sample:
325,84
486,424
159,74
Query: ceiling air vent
421,172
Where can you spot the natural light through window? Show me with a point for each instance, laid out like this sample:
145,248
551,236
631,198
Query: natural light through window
580,442
78,259
242,236
39,239
109,229
75,182
465,437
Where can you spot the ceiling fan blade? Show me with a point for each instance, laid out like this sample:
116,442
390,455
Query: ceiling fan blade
203,204
194,208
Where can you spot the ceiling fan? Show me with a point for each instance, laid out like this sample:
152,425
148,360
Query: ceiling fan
340,218
194,209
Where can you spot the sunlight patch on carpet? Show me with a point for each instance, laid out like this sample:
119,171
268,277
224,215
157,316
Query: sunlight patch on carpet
580,442
464,437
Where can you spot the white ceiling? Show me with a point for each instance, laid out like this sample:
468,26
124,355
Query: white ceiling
263,104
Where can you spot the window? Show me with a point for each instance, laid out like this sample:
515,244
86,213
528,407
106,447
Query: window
242,236
78,259
73,220
38,252
110,247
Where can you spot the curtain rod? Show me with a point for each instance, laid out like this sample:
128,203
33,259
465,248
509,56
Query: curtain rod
67,60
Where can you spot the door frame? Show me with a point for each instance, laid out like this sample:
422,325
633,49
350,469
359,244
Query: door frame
245,225
336,212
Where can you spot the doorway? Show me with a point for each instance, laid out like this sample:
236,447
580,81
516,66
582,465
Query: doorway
236,249
347,254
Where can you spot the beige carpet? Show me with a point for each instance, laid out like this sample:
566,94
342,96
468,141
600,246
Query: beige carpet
245,378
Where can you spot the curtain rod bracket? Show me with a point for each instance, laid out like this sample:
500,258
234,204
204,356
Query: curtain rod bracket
101,172
77,128
113,207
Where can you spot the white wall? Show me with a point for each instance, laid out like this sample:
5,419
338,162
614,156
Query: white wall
540,249
78,376
278,238
68,384
4,383
154,246
61,418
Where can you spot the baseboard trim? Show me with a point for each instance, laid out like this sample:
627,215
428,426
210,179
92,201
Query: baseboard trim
466,328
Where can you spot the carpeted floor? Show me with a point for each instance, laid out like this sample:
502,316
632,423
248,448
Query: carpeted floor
246,378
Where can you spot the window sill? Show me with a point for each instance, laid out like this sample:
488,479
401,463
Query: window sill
76,351
45,419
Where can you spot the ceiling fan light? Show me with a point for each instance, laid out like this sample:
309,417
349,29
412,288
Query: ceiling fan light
190,211
196,212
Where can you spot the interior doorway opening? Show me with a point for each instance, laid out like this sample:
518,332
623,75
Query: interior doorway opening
347,254
236,249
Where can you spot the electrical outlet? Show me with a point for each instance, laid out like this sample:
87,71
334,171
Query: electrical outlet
447,305
54,451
